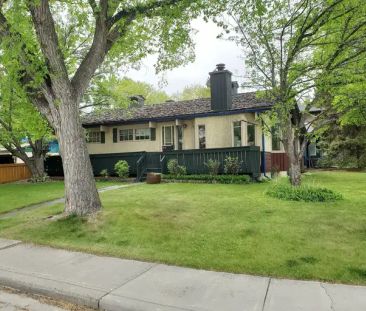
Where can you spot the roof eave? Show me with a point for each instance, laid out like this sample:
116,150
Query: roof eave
179,117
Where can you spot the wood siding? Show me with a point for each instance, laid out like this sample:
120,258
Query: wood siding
280,161
13,172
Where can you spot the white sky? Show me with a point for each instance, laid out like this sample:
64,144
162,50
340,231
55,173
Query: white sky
209,52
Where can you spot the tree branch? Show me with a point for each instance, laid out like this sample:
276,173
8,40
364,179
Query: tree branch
96,53
140,9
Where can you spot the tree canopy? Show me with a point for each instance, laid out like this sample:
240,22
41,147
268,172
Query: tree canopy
116,92
193,91
60,46
293,52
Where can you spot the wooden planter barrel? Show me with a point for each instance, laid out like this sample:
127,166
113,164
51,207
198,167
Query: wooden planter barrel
153,178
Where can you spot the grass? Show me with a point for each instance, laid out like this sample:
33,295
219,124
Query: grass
233,228
18,195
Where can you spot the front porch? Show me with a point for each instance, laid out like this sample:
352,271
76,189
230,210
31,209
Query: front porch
194,160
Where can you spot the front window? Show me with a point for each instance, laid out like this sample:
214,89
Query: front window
237,134
125,135
93,137
142,134
276,139
180,137
202,136
168,135
251,134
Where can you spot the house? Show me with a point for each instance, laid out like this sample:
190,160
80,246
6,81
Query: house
226,120
5,156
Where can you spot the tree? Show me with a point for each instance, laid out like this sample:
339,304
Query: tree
343,146
21,124
193,91
116,93
55,72
282,40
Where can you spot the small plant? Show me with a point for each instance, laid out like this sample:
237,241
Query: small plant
303,193
175,169
213,167
40,179
275,171
104,174
122,169
232,165
211,179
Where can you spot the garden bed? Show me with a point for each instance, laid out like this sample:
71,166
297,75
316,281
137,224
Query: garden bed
209,179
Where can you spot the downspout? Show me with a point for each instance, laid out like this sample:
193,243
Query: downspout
263,154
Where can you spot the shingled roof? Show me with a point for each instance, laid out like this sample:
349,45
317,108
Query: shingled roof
188,109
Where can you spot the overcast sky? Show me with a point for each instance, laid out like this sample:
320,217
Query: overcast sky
209,52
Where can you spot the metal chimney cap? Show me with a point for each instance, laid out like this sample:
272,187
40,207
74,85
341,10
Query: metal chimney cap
220,67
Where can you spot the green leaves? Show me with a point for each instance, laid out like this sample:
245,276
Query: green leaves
115,93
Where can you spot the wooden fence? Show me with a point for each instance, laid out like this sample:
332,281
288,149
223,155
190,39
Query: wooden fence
13,172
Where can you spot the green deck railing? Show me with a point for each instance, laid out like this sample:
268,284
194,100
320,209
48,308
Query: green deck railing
194,160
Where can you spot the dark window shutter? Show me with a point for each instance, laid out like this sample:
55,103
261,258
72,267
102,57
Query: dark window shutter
115,135
102,137
153,134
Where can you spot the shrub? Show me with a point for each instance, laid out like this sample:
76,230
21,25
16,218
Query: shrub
232,165
40,179
303,193
175,169
213,166
222,179
275,171
104,173
122,168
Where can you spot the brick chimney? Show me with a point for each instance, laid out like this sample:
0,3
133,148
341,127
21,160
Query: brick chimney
221,88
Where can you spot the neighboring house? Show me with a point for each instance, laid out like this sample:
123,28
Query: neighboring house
226,120
5,156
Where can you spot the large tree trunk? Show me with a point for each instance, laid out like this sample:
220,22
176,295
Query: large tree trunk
81,193
36,166
295,171
294,153
35,163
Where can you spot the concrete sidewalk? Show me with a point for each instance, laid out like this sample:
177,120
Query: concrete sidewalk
116,284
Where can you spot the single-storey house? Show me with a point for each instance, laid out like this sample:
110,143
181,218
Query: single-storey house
226,120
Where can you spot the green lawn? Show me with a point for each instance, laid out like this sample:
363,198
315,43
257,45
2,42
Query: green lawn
234,228
18,195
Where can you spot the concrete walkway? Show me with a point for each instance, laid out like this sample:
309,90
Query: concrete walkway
116,284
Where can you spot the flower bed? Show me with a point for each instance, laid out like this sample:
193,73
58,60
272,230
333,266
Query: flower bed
210,179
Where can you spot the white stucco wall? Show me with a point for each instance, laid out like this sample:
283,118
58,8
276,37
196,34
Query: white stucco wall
219,134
